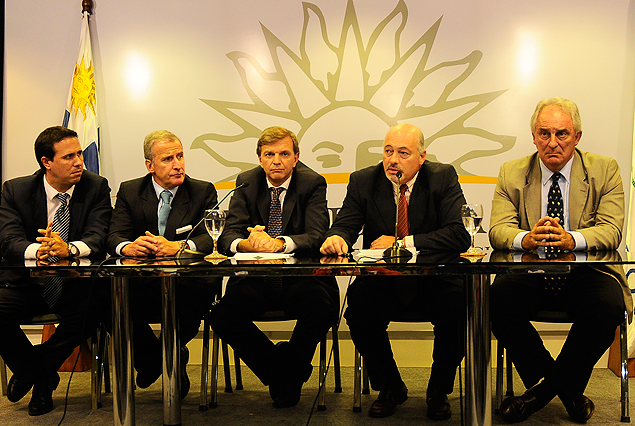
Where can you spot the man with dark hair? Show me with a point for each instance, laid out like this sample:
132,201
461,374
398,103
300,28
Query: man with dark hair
557,201
153,215
429,199
59,213
283,210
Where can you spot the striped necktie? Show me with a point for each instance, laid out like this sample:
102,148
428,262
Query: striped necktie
61,224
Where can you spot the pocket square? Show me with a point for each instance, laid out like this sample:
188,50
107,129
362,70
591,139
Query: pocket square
184,229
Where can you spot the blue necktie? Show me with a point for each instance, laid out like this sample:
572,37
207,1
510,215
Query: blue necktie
164,211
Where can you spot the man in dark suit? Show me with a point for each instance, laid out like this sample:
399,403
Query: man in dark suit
30,229
430,197
283,210
153,215
526,217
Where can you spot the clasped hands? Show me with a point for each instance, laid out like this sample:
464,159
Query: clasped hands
149,245
548,232
336,245
52,245
260,242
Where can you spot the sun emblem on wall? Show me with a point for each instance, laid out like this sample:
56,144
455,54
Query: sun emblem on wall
340,94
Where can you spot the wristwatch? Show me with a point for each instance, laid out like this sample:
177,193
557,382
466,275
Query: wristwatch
284,244
73,251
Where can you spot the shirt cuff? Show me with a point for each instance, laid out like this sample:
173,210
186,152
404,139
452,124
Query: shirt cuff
82,247
191,244
234,245
518,240
290,245
31,251
580,241
409,241
120,247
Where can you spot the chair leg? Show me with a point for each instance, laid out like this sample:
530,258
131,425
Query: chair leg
105,357
203,404
510,375
227,368
96,368
214,392
3,376
366,387
239,376
336,359
624,399
322,377
500,358
357,384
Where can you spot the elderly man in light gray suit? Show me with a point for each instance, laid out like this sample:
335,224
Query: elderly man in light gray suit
556,202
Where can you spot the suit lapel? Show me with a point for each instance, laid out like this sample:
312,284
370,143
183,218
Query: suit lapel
290,200
149,205
418,205
578,191
178,211
384,199
532,193
38,204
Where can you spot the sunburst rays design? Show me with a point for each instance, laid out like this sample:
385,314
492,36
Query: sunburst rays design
351,88
83,89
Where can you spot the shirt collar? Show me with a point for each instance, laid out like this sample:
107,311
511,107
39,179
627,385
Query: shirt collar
284,184
410,184
51,192
158,189
565,171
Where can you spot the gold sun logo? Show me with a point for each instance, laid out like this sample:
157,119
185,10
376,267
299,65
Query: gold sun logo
340,97
83,89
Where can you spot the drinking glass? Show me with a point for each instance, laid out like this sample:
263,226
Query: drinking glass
214,223
472,215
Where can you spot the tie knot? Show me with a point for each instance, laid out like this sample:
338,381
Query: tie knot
403,188
63,197
165,196
555,177
275,192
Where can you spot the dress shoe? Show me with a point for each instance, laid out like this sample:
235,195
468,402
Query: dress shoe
581,410
518,408
386,404
20,385
438,405
285,394
42,396
185,380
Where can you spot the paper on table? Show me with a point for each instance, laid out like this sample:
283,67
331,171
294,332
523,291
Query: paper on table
261,256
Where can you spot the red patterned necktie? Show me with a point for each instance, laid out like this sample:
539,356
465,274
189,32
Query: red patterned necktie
403,226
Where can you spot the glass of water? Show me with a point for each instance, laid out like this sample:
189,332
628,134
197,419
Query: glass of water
214,223
472,215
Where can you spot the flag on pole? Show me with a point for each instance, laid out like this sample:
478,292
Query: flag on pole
81,108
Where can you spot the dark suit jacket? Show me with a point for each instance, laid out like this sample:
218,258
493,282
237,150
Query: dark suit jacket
23,212
304,216
136,212
434,209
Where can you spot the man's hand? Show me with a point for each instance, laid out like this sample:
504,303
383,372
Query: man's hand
334,245
383,242
545,229
51,244
261,242
141,247
163,247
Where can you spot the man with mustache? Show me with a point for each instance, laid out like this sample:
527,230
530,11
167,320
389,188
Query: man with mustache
429,196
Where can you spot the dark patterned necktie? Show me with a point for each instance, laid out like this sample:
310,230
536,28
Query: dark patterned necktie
274,228
555,209
403,226
164,211
61,224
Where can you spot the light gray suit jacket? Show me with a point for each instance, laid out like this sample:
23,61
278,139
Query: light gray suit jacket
596,205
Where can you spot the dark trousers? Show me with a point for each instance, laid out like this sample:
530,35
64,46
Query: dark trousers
194,297
311,301
373,302
81,306
595,302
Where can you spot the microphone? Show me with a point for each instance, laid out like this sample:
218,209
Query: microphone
396,254
187,251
